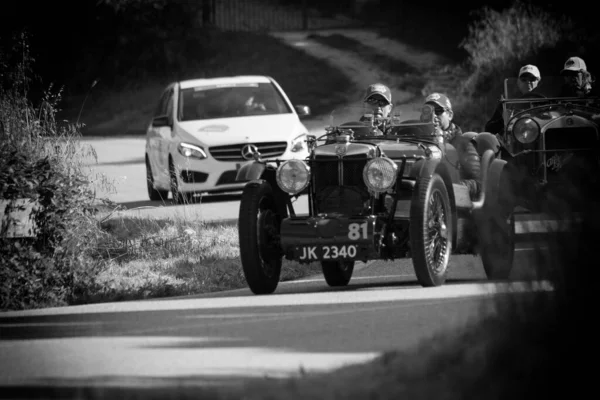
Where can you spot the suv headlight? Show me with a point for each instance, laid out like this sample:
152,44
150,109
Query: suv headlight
380,174
526,130
191,151
293,176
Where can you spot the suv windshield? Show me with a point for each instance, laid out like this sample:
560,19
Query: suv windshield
230,100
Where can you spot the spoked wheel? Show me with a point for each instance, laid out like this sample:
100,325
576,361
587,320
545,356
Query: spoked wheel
431,231
495,223
337,273
259,237
178,197
153,193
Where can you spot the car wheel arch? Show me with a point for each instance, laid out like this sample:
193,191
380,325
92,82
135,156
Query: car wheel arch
281,197
155,176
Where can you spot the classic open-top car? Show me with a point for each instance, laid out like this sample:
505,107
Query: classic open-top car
551,145
372,194
548,138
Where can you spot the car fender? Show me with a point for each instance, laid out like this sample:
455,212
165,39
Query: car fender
250,171
268,175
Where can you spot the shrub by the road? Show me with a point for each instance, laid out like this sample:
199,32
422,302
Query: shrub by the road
41,160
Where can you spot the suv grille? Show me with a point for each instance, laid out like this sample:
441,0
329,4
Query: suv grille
339,184
233,152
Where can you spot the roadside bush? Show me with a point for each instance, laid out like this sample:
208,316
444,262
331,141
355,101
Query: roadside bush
40,160
499,42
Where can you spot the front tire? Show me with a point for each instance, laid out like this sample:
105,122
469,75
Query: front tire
259,230
431,230
495,224
153,193
337,273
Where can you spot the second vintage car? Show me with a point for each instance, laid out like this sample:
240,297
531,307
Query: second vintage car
204,130
551,144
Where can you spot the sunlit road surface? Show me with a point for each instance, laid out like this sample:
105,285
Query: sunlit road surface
305,326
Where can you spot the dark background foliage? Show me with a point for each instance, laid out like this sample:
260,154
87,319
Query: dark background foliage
123,42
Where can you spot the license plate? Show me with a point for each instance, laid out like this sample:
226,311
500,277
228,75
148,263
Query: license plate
327,252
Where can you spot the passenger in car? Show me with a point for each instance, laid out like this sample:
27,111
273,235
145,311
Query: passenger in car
470,146
577,79
528,80
444,114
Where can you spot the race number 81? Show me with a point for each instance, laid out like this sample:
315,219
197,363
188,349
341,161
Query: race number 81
357,231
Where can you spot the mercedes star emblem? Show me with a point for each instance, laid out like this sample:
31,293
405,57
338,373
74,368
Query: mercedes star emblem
248,151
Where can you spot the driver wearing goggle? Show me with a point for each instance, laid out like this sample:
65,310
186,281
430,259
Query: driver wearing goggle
378,101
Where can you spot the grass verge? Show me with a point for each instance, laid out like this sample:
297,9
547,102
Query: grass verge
151,258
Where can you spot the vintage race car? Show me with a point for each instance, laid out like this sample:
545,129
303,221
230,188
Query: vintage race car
378,190
551,145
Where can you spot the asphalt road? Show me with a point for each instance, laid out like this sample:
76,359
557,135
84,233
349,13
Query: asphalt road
235,334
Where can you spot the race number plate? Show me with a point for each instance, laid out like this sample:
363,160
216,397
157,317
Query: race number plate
329,239
328,252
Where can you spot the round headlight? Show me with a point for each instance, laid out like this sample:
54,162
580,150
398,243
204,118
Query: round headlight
380,174
293,176
526,130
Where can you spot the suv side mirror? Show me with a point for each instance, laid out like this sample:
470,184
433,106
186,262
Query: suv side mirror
163,120
302,110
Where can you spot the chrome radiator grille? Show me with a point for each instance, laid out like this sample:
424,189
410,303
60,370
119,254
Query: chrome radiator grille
338,184
233,152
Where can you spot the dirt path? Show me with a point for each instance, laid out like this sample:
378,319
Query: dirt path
362,72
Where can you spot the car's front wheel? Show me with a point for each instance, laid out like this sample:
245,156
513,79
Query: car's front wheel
153,193
431,230
337,273
495,223
259,240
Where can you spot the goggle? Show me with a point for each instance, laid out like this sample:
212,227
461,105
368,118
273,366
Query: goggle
439,111
528,78
377,102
